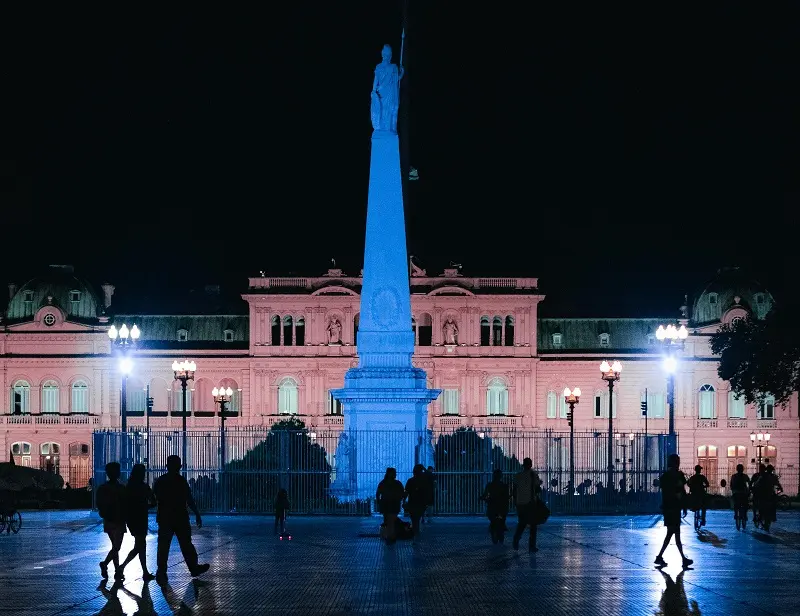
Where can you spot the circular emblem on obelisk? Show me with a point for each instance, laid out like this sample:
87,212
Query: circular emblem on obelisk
384,307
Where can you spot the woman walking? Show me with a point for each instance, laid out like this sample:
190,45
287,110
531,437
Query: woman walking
417,493
388,499
140,499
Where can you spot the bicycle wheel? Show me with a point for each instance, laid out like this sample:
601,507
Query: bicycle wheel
14,522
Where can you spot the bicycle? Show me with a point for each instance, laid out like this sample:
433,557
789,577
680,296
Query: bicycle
10,521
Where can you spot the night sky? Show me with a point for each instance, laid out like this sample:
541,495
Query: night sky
622,158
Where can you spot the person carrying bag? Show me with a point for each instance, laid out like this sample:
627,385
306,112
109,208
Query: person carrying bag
527,487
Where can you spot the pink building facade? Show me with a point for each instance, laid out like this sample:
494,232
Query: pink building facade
481,341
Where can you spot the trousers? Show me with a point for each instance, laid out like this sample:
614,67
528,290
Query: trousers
183,531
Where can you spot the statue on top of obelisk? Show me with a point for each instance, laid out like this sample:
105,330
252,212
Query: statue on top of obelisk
386,92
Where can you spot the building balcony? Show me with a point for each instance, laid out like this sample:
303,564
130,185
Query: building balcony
50,420
497,421
737,423
705,424
333,420
766,424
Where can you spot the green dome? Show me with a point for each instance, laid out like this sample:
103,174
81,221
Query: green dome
58,287
729,289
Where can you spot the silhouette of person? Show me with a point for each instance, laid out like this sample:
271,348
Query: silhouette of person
740,489
140,499
673,500
173,496
282,505
496,496
698,487
111,507
417,493
388,499
527,487
673,599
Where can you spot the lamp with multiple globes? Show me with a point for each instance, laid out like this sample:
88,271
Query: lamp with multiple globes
123,340
672,338
572,397
222,396
184,372
760,440
610,373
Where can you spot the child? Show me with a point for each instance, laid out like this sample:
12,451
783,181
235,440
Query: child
282,505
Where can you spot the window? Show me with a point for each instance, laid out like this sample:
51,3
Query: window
766,408
497,331
770,453
497,397
137,399
183,335
50,454
556,340
736,406
656,404
49,319
601,404
707,458
22,453
605,340
712,298
552,402
486,331
80,397
74,296
21,398
563,406
50,397
27,296
288,328
707,402
177,399
450,401
287,397
737,451
509,331
228,335
334,405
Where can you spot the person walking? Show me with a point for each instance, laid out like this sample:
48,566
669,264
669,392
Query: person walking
673,501
282,505
111,507
388,501
139,500
496,496
527,487
740,491
174,495
698,488
417,497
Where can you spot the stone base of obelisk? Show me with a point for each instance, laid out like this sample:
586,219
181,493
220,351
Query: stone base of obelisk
386,424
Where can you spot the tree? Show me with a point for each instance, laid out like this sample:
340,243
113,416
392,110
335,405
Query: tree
760,357
464,463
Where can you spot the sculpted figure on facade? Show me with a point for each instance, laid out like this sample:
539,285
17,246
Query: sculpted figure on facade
386,93
450,330
334,331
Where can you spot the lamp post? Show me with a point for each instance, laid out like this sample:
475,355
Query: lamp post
610,374
621,442
572,398
222,396
672,339
123,339
184,372
759,439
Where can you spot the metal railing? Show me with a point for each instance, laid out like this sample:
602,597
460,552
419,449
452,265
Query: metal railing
242,471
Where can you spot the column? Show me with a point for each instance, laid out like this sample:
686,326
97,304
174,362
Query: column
503,330
348,327
437,326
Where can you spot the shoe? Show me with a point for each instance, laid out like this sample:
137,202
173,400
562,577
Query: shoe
687,562
660,562
148,577
200,569
104,571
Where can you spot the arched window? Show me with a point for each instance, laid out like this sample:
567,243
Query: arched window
79,465
80,397
137,396
235,405
50,397
288,324
275,333
203,400
21,398
766,408
509,331
656,404
425,329
552,403
497,397
227,335
707,402
486,331
601,404
707,458
770,453
159,392
287,396
21,451
50,457
300,332
356,321
177,398
497,331
183,335
736,408
605,340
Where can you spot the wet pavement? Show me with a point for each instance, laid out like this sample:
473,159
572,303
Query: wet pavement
587,565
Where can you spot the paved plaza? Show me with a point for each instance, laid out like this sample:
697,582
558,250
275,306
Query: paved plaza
587,565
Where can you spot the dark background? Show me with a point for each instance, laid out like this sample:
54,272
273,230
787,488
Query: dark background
622,156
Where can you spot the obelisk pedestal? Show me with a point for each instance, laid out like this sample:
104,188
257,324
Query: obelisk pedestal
385,398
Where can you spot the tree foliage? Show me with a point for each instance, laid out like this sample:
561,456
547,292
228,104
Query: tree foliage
760,357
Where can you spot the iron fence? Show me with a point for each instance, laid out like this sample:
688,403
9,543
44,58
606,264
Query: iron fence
242,470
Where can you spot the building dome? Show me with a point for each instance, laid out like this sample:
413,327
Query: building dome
58,287
732,293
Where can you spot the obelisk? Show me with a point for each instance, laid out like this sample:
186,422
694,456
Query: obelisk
385,398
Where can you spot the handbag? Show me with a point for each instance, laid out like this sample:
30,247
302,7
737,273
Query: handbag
541,512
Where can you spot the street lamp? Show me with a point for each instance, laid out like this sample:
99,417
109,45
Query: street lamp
672,339
184,372
222,396
572,398
610,374
759,439
123,339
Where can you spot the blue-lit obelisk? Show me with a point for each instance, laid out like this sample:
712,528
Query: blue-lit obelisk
385,398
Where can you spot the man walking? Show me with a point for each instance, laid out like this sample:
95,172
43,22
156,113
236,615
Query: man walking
174,495
111,507
527,486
